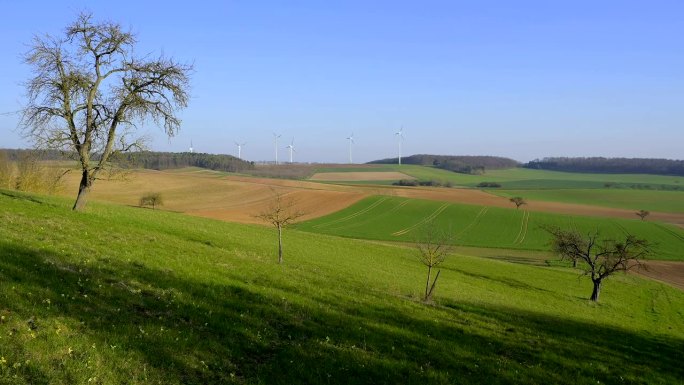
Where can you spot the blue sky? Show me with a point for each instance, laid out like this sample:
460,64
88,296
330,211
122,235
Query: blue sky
522,79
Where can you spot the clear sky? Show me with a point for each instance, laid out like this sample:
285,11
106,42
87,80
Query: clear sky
522,79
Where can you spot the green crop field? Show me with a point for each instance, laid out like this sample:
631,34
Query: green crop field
664,201
120,295
400,219
523,178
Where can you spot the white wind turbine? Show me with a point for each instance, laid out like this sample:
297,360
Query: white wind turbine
291,147
275,142
400,135
351,141
239,146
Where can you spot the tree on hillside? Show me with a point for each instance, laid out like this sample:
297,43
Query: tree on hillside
151,199
642,214
433,245
599,258
281,213
89,91
518,201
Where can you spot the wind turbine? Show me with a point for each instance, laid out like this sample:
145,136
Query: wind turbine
275,141
351,140
291,147
239,146
400,135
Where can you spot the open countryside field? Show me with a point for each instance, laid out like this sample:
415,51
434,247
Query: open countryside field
359,176
158,297
399,219
238,198
663,201
524,178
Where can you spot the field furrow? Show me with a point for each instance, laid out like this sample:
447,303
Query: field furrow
422,222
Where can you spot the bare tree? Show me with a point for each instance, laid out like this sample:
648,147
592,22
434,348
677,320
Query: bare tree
433,245
599,258
89,90
642,214
151,199
281,213
518,201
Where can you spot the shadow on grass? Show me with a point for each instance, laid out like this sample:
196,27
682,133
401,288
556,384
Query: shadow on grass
190,332
21,196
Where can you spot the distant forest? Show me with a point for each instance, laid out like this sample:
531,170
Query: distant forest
610,165
147,159
168,160
461,164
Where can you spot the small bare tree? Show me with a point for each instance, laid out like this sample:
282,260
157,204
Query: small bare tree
518,201
281,213
434,245
151,199
89,90
642,214
599,258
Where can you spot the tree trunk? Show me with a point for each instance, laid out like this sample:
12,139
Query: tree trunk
280,244
427,283
574,263
83,191
434,283
597,291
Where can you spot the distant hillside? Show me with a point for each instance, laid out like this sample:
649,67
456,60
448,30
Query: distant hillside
463,163
610,165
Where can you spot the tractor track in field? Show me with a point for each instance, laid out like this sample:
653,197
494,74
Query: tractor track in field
524,223
358,223
671,232
621,227
353,215
472,224
430,217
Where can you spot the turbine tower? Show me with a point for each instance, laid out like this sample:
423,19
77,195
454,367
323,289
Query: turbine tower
291,147
351,141
239,146
400,136
275,142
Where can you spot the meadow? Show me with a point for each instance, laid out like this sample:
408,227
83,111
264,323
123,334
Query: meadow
401,219
120,295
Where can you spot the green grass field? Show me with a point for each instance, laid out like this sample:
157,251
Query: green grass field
120,295
523,178
664,201
400,219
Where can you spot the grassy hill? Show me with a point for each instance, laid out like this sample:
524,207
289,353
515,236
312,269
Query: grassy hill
400,219
121,295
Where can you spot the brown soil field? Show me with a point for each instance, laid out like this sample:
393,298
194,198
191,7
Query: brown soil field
359,176
671,272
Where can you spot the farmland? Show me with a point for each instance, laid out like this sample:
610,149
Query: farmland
663,201
159,297
400,219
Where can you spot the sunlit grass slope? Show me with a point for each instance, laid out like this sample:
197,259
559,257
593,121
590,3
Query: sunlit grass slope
121,295
401,219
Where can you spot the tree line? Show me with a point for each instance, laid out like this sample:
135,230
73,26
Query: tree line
610,165
464,164
142,159
169,160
